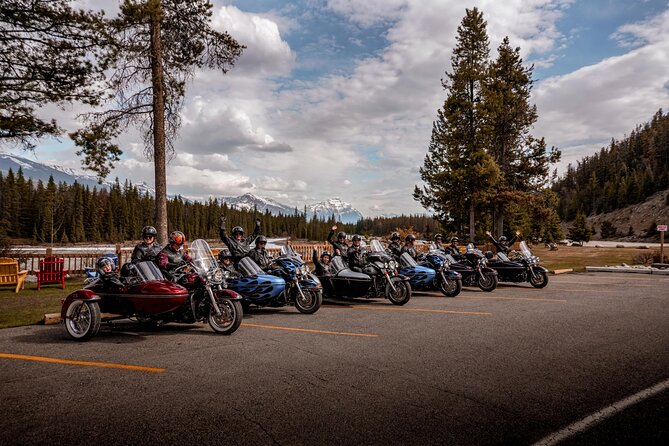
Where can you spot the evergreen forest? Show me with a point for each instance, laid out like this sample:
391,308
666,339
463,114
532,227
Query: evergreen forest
624,173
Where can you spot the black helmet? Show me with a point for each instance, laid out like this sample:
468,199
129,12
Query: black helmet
148,231
356,238
177,238
103,261
502,238
395,236
437,236
325,253
261,239
454,240
224,254
237,230
341,234
410,238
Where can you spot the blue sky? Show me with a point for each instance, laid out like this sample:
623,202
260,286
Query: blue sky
336,98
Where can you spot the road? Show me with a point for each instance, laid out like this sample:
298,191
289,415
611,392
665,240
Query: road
515,366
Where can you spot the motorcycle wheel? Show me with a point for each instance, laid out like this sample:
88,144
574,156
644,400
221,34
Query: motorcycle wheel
539,279
229,320
487,282
450,287
82,320
310,303
402,292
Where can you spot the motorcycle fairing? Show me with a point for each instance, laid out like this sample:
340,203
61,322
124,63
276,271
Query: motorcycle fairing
85,294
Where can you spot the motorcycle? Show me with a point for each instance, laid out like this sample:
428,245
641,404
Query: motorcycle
444,279
523,268
378,279
263,289
146,297
474,269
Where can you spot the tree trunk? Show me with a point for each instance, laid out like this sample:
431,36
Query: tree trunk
498,229
158,122
472,222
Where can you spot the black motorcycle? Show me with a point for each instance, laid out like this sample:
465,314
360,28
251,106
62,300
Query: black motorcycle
379,278
523,268
474,269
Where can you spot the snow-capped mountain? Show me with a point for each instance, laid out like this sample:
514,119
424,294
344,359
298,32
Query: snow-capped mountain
41,171
342,211
249,202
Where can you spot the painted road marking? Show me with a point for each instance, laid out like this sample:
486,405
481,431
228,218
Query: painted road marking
597,417
419,310
513,298
108,365
341,333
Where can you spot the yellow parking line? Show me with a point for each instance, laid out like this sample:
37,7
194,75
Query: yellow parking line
513,298
341,333
108,365
419,310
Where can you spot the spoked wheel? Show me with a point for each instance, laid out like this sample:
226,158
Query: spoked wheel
310,303
539,279
487,282
230,319
450,287
82,319
402,292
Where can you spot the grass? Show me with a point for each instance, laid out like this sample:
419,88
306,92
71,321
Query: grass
578,258
28,306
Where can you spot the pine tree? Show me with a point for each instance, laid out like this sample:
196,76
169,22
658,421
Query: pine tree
579,231
459,174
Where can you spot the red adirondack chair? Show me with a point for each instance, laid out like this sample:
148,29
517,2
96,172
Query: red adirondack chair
51,270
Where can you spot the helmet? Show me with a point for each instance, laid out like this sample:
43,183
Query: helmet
341,234
395,236
454,240
148,231
410,238
224,254
356,238
261,239
177,238
502,238
237,230
325,253
437,236
102,262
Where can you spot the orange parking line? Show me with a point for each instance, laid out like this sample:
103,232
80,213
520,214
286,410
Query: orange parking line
341,333
419,310
108,365
512,298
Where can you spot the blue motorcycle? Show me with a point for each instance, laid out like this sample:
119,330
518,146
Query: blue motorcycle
432,273
303,289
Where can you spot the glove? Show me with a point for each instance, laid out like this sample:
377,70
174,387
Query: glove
222,221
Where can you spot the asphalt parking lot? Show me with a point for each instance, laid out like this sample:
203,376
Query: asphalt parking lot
515,366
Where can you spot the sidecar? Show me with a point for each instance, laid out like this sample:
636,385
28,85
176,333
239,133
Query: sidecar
420,277
345,282
143,293
507,270
256,286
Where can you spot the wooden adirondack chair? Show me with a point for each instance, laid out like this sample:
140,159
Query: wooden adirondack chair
10,274
51,270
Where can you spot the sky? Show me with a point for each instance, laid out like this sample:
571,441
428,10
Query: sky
336,98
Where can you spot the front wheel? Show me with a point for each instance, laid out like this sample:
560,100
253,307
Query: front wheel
309,301
402,292
82,319
229,320
539,279
487,282
450,287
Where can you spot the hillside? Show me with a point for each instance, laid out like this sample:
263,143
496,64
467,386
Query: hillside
640,217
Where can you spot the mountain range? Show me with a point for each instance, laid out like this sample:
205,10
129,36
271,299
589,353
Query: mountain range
342,211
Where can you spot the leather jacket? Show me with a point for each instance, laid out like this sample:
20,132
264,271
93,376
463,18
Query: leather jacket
144,252
411,250
340,248
261,257
169,259
239,248
356,258
322,269
395,249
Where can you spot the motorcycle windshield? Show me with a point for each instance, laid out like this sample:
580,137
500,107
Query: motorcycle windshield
502,257
338,264
288,251
449,258
247,267
376,246
203,259
435,248
407,260
525,250
148,272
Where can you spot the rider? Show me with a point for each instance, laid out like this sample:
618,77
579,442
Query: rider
438,242
408,247
339,246
356,259
225,262
322,265
148,248
173,256
453,249
238,245
259,254
107,277
394,246
503,245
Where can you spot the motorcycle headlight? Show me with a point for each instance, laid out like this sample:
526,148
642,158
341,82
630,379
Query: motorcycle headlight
299,271
218,275
392,264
